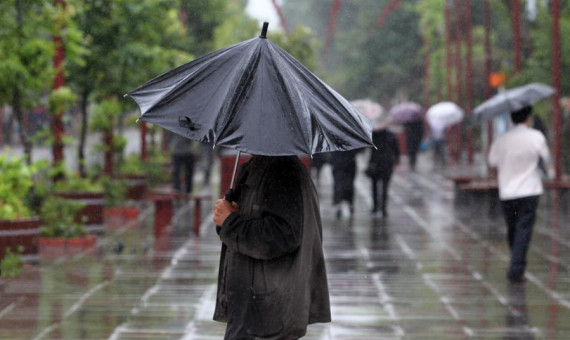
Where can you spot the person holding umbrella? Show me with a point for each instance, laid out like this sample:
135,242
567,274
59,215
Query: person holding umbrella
274,280
516,155
256,98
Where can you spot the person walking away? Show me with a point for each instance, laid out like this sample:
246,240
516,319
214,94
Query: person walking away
381,165
516,156
272,279
182,160
438,143
414,132
344,172
318,161
206,161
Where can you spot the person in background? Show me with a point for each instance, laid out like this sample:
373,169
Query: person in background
344,172
438,143
381,165
516,155
182,152
272,279
414,132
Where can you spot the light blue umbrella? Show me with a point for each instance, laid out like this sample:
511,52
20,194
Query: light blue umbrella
511,100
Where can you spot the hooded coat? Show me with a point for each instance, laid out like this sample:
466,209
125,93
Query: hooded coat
272,279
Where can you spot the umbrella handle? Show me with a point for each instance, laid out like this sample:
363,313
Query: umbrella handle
264,30
230,193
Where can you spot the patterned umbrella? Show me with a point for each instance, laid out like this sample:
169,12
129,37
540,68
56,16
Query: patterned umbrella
406,112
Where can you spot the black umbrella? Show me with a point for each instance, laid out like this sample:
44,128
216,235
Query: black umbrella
256,98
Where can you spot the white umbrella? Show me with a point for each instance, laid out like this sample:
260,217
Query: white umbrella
512,100
444,114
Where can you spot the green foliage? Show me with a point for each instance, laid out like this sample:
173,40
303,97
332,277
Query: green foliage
104,114
12,263
16,180
58,218
61,100
77,184
69,181
115,191
131,165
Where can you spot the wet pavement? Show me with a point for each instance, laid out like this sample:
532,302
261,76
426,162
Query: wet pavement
434,269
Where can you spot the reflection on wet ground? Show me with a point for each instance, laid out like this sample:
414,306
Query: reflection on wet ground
435,269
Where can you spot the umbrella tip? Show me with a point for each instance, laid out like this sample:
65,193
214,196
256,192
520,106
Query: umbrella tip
264,30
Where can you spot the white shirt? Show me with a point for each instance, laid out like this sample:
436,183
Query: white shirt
516,154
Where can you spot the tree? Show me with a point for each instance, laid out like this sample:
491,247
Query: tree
130,41
26,48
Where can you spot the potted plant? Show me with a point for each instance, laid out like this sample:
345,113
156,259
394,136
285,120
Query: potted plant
19,225
86,190
135,174
117,211
61,233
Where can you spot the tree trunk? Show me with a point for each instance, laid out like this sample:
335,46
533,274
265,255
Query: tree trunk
83,133
19,114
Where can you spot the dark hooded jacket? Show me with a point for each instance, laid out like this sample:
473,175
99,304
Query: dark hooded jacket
272,279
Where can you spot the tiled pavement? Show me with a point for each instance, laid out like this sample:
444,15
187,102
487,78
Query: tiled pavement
433,270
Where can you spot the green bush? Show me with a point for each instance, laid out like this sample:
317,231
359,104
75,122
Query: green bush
12,263
58,218
16,181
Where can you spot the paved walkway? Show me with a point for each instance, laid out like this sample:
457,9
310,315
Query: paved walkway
435,269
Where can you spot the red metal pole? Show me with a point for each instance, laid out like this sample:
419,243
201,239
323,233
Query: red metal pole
426,72
58,81
516,34
281,17
448,52
487,25
556,84
458,77
469,78
448,64
332,22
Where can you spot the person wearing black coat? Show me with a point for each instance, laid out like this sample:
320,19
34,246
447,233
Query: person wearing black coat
344,172
272,279
414,132
381,165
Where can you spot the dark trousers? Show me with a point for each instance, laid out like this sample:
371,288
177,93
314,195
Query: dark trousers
385,184
520,215
178,163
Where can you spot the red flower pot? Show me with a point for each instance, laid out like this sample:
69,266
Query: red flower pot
20,232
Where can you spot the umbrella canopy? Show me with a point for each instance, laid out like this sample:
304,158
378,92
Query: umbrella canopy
444,114
406,112
254,97
374,111
512,100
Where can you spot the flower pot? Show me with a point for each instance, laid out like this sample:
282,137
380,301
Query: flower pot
50,247
120,216
21,232
93,202
137,186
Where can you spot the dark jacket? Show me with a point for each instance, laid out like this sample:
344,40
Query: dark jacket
344,172
272,278
384,158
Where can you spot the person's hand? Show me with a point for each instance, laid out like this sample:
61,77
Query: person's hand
222,210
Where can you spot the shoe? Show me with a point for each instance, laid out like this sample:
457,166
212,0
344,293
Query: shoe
516,279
